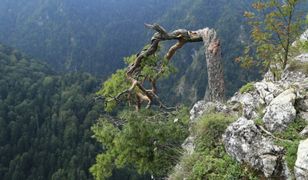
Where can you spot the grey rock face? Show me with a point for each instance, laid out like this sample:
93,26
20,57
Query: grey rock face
267,91
302,104
197,110
289,78
269,76
302,58
304,132
189,145
249,101
280,112
303,115
304,36
244,141
200,108
301,164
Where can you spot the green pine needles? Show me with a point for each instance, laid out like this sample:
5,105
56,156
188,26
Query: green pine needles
148,141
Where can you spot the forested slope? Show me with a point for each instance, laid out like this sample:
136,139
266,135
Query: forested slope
74,35
45,120
227,18
94,36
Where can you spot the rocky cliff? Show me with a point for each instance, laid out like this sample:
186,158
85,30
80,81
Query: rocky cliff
270,133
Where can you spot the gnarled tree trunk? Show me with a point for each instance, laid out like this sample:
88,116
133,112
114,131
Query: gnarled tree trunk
216,84
216,88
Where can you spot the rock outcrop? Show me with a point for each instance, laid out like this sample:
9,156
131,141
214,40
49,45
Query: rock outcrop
245,142
301,164
276,104
200,108
280,111
266,108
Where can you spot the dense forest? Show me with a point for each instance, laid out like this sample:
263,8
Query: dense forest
45,120
95,36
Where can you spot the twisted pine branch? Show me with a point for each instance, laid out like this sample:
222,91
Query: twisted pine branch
183,36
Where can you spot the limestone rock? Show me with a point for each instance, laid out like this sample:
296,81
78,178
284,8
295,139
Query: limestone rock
267,88
302,104
202,107
188,145
280,111
301,164
304,36
244,141
302,58
303,115
304,132
269,76
197,110
285,97
293,78
249,101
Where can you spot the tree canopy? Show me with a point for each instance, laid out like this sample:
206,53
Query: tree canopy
275,26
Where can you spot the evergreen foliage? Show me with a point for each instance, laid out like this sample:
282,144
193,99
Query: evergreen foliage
247,87
209,159
148,141
45,120
275,26
79,35
153,68
290,139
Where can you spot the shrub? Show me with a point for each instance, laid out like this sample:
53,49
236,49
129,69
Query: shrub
209,160
291,139
299,66
149,141
246,88
209,129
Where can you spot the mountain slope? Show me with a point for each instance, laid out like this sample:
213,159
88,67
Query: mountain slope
95,36
227,18
77,34
45,120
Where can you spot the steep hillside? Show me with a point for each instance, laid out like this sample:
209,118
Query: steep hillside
77,34
95,36
45,120
227,18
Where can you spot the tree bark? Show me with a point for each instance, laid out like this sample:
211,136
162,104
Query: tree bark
216,84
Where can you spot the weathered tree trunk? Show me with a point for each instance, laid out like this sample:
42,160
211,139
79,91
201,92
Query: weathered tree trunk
216,84
216,88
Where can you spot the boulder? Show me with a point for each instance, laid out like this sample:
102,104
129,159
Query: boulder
202,107
249,101
197,110
303,115
293,78
280,112
302,104
189,145
244,141
266,89
301,164
304,36
302,58
304,132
